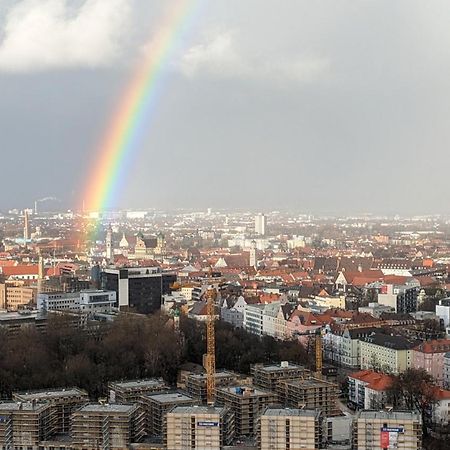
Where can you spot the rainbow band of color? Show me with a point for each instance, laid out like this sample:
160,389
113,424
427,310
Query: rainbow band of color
133,117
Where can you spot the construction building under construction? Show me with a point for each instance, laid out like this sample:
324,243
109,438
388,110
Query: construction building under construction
157,405
107,426
284,428
25,424
247,403
63,401
132,391
268,376
310,393
198,427
196,384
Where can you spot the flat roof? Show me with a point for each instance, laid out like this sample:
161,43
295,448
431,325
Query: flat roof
278,367
202,376
54,393
250,391
134,384
170,397
24,406
290,412
310,382
194,409
97,407
389,415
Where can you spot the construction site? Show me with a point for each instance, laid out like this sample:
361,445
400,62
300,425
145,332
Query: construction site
132,391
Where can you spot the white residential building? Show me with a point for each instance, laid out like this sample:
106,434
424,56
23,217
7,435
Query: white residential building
253,319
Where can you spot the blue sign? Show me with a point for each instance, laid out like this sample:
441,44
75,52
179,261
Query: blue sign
393,429
207,424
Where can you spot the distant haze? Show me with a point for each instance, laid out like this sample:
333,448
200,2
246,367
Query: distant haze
319,106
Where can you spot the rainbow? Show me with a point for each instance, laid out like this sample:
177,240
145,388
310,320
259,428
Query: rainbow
133,116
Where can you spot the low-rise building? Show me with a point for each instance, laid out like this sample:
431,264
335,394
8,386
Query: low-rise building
367,389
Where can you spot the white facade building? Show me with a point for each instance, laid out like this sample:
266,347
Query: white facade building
260,224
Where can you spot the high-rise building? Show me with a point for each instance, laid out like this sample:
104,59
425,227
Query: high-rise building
138,289
199,427
284,428
260,224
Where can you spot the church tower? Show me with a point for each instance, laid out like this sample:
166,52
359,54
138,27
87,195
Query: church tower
109,245
253,260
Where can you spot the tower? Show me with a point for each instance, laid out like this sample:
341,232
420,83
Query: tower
260,224
253,260
26,227
41,273
160,244
210,356
109,245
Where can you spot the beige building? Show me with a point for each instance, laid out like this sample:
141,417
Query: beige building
199,427
373,430
283,428
132,390
15,294
268,376
391,354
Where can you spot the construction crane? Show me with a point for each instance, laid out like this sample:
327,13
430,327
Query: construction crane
210,356
317,349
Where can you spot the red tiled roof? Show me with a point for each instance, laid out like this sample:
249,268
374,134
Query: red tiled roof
375,380
434,346
23,269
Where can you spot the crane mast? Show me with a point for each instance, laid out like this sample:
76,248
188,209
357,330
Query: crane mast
210,357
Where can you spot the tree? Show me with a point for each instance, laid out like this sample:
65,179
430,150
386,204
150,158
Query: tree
413,390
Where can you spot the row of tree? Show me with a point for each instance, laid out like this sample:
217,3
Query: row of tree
130,347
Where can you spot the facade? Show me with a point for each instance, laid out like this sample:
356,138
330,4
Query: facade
199,427
274,322
373,430
13,295
63,403
443,311
234,314
390,353
158,404
284,428
138,289
107,426
367,389
196,383
401,298
260,224
247,403
309,393
253,318
429,356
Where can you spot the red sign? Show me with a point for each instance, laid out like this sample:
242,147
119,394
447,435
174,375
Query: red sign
384,441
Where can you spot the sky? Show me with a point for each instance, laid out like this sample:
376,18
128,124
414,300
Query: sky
324,106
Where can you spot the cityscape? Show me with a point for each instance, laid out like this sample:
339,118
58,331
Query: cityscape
224,225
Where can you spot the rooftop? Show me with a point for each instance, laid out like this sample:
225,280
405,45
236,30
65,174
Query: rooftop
99,408
278,367
169,397
285,412
54,393
24,406
197,410
136,384
390,415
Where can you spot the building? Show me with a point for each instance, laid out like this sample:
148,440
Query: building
373,430
196,383
158,404
13,322
287,428
63,402
131,391
269,376
14,294
443,311
309,393
107,426
401,298
260,224
88,301
199,427
232,311
429,355
138,289
247,403
389,353
367,389
253,318
274,321
25,425
109,246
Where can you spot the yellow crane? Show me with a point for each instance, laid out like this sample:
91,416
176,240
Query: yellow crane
210,356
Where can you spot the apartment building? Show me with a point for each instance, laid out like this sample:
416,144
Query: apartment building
199,427
309,393
429,355
268,376
107,426
373,430
196,383
290,429
63,402
131,391
253,318
247,403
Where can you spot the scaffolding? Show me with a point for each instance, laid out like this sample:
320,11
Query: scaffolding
268,376
132,391
196,385
247,403
310,393
63,401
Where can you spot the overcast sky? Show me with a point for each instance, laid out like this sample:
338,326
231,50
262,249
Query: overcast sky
338,106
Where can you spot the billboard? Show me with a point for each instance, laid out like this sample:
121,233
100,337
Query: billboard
389,437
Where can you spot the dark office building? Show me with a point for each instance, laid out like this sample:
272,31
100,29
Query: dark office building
138,289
